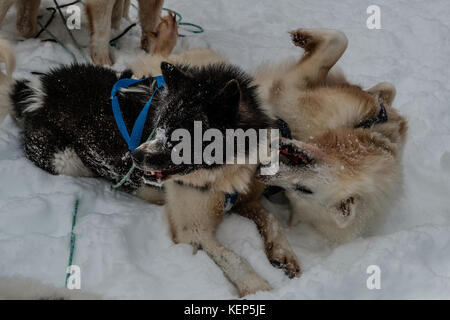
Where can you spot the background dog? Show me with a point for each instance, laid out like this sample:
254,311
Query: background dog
157,34
344,167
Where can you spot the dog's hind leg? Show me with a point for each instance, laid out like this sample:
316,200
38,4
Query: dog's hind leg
27,13
323,48
99,13
149,16
193,218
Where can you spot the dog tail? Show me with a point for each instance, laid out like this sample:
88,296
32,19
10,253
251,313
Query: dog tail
8,57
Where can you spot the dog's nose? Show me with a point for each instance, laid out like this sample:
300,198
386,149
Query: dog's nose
138,156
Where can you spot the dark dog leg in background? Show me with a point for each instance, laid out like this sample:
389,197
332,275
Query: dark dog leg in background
4,7
27,12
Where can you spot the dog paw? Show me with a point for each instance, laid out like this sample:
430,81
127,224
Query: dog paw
283,258
301,38
252,285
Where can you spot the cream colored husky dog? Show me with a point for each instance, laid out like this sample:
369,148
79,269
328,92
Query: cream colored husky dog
344,166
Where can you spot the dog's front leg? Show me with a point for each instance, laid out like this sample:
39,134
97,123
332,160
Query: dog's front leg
276,246
99,13
193,218
149,16
27,12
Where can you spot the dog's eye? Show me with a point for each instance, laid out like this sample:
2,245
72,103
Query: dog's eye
302,189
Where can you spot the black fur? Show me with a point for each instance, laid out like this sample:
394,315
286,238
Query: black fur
220,96
76,112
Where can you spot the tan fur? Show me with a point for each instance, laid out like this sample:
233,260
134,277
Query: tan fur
276,246
7,57
149,15
357,172
165,36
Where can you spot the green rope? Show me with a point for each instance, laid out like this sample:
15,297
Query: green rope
199,28
133,167
179,17
125,178
72,236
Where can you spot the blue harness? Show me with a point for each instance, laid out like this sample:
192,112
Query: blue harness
134,140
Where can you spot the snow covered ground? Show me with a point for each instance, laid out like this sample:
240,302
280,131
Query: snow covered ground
123,245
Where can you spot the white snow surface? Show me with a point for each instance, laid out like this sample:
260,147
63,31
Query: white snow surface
123,245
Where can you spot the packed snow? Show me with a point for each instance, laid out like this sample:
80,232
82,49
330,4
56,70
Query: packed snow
123,245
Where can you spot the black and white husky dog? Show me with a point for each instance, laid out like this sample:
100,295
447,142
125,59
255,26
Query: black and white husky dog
69,129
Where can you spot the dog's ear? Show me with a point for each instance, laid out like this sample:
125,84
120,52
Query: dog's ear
385,91
175,78
226,103
345,212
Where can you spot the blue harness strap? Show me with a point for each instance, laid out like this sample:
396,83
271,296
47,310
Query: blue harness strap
134,140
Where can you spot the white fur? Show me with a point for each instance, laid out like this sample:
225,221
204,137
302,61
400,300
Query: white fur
68,163
36,101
